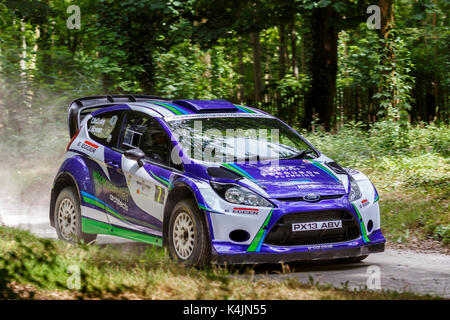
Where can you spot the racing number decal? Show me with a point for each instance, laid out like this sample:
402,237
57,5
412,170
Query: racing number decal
160,194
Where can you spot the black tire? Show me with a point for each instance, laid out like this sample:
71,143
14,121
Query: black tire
200,255
71,232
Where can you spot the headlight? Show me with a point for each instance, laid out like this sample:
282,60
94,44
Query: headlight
239,195
354,193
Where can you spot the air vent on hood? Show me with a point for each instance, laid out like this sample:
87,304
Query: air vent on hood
336,167
218,172
207,106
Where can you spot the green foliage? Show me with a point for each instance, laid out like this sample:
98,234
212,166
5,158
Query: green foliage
290,84
36,263
415,217
354,144
187,71
358,58
163,47
396,82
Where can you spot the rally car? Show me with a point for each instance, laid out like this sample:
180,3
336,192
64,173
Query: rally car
210,180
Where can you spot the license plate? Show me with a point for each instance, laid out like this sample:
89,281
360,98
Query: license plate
321,225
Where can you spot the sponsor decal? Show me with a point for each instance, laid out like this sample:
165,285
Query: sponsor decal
95,130
351,171
88,146
320,246
144,189
96,125
288,172
246,210
101,183
118,202
309,186
160,194
98,121
364,203
306,186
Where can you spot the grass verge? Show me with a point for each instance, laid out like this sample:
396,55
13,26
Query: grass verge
32,267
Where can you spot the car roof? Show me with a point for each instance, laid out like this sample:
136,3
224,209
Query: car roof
162,106
155,106
176,108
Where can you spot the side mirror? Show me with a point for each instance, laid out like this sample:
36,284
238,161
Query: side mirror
135,154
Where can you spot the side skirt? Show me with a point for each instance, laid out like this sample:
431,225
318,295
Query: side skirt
97,227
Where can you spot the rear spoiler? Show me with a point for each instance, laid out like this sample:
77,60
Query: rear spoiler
81,107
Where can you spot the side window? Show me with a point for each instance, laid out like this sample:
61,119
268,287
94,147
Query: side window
104,128
145,133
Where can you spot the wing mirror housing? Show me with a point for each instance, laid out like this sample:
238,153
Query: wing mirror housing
136,155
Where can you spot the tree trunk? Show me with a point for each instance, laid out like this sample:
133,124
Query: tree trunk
257,73
74,44
302,54
294,50
282,51
387,53
241,71
323,66
45,46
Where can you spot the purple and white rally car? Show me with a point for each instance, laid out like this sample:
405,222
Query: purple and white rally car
211,181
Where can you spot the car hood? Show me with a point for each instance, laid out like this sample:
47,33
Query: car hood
291,178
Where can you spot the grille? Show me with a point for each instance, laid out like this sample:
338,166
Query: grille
281,233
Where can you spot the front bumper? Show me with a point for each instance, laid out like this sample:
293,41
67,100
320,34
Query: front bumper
227,253
298,256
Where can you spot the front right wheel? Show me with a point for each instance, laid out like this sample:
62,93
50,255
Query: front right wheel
188,235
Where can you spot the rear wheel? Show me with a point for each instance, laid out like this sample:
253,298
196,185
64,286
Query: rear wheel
68,217
188,235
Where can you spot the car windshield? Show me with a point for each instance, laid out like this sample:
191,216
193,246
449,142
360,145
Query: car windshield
232,139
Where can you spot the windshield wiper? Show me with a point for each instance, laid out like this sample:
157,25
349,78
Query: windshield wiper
301,155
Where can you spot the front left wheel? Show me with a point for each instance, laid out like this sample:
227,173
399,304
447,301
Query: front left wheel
68,218
188,235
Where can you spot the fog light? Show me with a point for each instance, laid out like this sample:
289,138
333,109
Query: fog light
370,226
239,235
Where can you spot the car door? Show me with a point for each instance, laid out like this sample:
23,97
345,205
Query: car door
143,189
